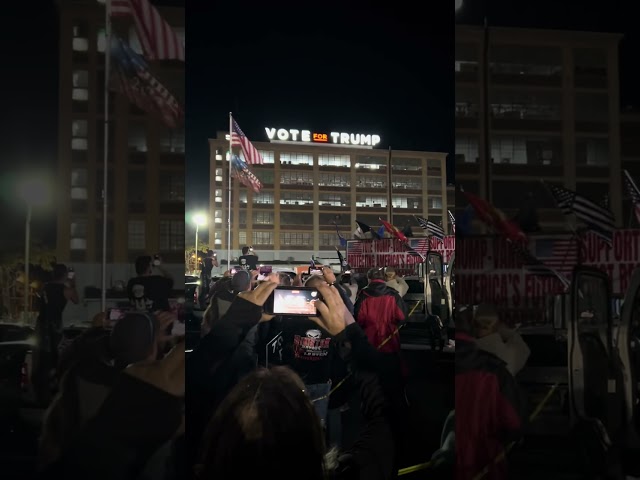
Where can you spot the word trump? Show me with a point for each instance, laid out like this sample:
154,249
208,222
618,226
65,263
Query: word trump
338,138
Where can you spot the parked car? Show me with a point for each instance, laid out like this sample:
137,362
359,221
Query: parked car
16,364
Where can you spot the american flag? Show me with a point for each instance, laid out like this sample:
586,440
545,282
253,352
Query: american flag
431,227
131,77
561,254
158,39
598,219
240,171
453,221
536,266
420,245
354,247
238,138
634,193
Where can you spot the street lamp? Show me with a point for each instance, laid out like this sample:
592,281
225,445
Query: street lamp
34,191
200,219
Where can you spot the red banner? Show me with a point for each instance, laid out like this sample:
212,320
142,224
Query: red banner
488,270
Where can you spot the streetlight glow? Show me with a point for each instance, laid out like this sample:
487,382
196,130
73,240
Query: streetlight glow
34,191
200,219
458,5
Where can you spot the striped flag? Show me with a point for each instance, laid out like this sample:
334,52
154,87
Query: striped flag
634,193
420,245
561,254
158,39
354,247
453,221
238,138
536,266
597,219
131,77
431,228
240,171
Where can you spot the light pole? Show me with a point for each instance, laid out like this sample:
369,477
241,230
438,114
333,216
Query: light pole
34,192
199,219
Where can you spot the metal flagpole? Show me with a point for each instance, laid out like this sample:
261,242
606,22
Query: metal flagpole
390,190
229,201
107,69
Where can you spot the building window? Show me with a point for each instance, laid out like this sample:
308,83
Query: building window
406,164
262,238
137,187
172,187
592,152
519,105
296,178
590,67
137,137
80,92
334,199
404,183
242,238
78,234
467,101
80,37
371,201
466,58
334,161
525,61
330,219
400,201
433,163
267,156
526,151
291,218
262,218
79,184
172,141
296,159
136,235
334,180
371,163
171,235
296,198
218,196
218,174
434,202
592,107
329,239
371,181
101,41
79,131
265,176
243,198
263,198
466,149
434,183
297,239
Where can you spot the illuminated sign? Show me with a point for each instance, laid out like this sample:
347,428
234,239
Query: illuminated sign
307,136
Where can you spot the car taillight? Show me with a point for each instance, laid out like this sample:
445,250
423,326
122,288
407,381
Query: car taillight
24,376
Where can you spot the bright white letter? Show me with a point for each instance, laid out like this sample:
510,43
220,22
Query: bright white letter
335,136
271,132
294,134
344,138
306,136
375,139
283,134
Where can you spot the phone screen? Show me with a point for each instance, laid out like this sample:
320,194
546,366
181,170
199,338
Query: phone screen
114,315
292,301
266,270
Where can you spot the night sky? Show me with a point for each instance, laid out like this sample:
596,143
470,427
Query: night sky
329,66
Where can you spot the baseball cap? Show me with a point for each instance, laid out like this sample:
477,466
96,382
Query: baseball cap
241,281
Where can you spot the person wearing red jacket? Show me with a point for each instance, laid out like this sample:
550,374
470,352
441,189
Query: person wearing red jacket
490,409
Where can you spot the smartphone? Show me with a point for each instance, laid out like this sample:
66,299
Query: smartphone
114,315
156,260
178,329
71,274
286,300
233,271
315,271
265,270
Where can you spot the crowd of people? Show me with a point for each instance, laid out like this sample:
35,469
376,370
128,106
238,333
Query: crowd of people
319,396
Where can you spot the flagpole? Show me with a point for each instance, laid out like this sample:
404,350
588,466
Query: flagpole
107,71
229,201
390,199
